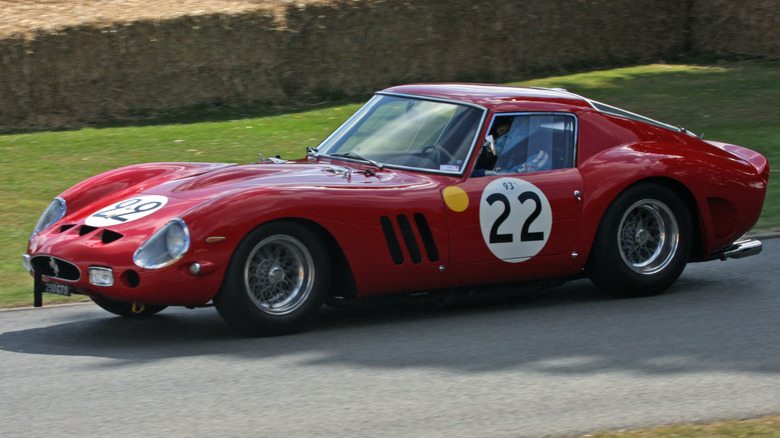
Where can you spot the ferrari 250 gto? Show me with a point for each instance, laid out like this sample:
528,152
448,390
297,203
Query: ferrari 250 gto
426,187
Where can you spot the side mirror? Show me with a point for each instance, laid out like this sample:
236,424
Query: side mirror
489,147
487,154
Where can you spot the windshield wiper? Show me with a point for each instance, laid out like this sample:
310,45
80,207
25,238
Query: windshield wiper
357,156
313,152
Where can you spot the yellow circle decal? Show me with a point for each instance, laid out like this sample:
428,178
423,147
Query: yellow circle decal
456,198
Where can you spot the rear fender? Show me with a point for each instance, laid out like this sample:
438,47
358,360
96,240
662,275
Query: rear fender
725,187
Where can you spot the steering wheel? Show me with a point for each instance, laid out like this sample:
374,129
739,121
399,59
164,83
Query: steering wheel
434,148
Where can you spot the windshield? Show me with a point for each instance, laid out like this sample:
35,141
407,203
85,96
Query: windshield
400,131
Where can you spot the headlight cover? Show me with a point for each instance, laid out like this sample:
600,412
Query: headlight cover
54,212
165,247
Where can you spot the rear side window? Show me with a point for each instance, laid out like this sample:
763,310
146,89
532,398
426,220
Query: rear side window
533,142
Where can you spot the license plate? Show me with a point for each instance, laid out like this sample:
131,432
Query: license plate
55,288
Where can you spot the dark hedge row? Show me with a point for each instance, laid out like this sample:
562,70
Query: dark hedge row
83,75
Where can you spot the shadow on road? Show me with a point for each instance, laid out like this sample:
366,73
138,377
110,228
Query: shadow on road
700,323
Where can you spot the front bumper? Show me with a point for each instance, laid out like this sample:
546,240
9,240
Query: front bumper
175,285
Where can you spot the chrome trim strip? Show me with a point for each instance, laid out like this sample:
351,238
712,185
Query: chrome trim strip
624,114
432,98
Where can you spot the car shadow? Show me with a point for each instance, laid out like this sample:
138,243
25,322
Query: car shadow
94,332
568,329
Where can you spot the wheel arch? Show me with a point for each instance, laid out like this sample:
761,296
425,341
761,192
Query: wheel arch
656,270
342,281
681,190
298,249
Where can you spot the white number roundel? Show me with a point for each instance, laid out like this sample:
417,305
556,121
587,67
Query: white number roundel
127,211
516,218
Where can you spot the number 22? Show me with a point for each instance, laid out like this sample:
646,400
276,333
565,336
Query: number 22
525,234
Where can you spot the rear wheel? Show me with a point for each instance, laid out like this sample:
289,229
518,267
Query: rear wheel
643,242
121,308
277,278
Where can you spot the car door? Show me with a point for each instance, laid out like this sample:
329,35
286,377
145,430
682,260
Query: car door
520,208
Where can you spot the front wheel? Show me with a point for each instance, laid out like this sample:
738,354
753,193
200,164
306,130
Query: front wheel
277,278
643,242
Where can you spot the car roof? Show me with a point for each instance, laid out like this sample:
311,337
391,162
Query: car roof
495,97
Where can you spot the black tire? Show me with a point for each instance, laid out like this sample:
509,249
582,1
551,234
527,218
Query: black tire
277,279
643,242
129,310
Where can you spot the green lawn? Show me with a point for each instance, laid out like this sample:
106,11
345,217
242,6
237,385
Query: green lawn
731,102
766,427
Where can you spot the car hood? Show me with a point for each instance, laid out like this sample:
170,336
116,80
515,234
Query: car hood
301,173
182,186
135,201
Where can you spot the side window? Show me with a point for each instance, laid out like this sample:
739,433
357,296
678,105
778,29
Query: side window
532,142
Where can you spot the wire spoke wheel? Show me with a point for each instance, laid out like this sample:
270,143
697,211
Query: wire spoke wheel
277,279
279,274
648,236
643,242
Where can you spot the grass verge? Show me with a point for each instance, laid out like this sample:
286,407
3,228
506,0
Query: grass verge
731,102
765,427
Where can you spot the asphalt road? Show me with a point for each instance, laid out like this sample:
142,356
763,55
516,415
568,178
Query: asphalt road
556,362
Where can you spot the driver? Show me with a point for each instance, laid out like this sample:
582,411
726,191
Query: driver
513,151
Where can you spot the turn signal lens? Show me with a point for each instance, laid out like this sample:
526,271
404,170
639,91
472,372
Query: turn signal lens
101,276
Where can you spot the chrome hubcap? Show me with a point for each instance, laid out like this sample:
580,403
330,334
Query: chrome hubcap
275,274
642,236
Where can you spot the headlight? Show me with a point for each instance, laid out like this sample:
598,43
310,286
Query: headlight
166,246
54,212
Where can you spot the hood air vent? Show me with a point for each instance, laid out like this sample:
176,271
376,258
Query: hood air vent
86,229
110,236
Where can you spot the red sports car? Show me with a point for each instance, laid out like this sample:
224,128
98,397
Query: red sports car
426,187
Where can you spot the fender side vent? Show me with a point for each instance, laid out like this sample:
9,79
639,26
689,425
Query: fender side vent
392,240
427,237
411,239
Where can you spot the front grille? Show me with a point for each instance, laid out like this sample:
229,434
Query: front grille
55,268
